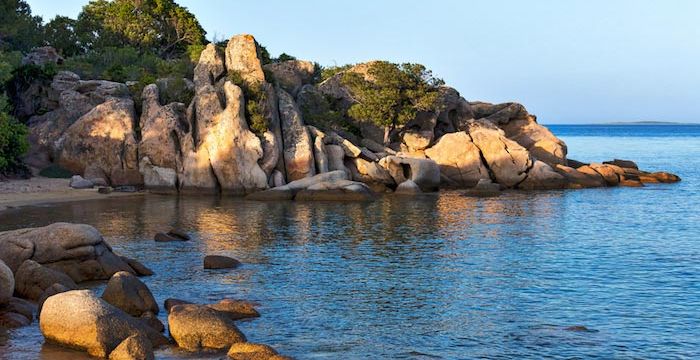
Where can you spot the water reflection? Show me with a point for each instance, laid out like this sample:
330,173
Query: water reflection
439,275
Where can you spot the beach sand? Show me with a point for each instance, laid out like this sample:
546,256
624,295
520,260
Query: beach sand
41,190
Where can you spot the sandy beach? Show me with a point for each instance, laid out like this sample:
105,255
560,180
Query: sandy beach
41,190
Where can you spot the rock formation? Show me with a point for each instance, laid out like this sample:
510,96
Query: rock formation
252,126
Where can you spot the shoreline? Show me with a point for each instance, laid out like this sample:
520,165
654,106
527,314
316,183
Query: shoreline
40,191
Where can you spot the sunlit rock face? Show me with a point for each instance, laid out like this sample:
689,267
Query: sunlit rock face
245,131
102,141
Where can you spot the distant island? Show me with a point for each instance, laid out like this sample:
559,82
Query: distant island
647,123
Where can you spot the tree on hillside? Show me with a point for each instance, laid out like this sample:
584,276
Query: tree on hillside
161,26
19,30
391,94
60,33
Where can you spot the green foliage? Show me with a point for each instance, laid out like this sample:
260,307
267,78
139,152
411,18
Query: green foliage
61,33
19,30
329,72
285,57
175,90
13,135
264,54
255,100
125,64
13,142
25,75
321,111
56,172
161,26
392,94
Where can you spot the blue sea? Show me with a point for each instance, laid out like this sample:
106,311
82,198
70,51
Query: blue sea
611,273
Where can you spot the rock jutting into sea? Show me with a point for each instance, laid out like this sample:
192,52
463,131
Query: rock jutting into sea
212,144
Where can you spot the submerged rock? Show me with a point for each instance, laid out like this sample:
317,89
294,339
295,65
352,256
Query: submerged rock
135,347
251,351
220,262
126,292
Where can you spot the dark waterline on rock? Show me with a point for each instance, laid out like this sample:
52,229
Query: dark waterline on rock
441,276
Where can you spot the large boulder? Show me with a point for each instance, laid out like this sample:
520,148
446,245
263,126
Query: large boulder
424,172
419,133
7,283
197,327
32,279
243,57
506,159
128,293
78,319
542,177
298,146
459,160
103,140
369,172
67,99
291,75
74,249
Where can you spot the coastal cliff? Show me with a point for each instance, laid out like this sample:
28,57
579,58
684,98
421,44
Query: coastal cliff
251,127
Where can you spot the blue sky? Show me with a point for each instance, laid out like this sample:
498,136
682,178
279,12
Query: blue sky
575,61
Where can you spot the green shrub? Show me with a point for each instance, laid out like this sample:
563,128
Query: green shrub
255,98
13,142
56,172
329,72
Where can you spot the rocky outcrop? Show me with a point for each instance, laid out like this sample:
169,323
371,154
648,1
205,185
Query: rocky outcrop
291,75
76,250
197,327
287,129
80,320
103,140
243,57
298,152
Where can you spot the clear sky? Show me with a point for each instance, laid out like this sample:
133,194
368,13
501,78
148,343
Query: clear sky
573,61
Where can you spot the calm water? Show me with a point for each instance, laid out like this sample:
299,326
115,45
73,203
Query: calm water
440,277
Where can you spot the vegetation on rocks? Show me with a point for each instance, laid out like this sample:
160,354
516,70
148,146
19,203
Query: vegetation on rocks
255,97
390,94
